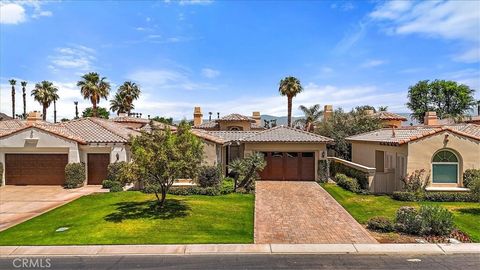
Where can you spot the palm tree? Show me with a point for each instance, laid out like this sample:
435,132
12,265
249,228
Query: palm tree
382,108
311,116
130,92
24,85
290,87
55,98
94,88
12,83
45,93
119,104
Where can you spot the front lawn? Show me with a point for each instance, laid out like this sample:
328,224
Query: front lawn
363,207
127,218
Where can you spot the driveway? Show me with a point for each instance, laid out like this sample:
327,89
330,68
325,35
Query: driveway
20,203
297,212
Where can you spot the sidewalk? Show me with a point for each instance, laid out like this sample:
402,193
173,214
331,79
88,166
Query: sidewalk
112,250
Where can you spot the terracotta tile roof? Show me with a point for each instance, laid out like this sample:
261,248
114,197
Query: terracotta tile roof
404,135
235,117
204,134
389,116
130,119
286,134
13,126
4,117
207,125
232,135
97,130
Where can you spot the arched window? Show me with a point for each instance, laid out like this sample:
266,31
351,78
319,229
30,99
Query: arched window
445,167
235,128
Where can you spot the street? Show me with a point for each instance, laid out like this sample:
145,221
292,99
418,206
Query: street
311,261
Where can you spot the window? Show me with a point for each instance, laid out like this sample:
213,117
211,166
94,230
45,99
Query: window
235,128
445,167
379,161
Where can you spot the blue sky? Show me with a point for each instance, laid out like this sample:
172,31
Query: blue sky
229,56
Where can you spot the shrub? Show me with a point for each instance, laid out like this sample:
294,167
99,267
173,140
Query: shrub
209,176
347,182
436,220
475,188
408,220
186,191
381,224
74,175
227,185
108,183
450,197
116,187
416,181
362,177
114,170
323,170
407,196
469,176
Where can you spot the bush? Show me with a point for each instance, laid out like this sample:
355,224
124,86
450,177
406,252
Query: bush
347,182
381,224
469,176
116,187
450,197
227,185
408,220
323,170
74,175
114,170
436,220
209,176
475,188
108,183
186,191
416,181
361,177
407,196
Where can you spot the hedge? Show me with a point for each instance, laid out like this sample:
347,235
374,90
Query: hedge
186,191
407,196
74,175
337,167
469,176
347,183
323,170
434,196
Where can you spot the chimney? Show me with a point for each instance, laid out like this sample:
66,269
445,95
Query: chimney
430,119
257,118
122,114
34,116
197,116
369,112
327,112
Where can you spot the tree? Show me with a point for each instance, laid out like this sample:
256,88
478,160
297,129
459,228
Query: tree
55,98
290,87
382,108
446,98
94,88
364,108
245,171
129,91
118,104
311,116
12,83
24,95
165,120
161,157
101,112
342,125
45,93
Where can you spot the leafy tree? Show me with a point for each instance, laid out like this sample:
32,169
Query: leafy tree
12,83
245,171
165,120
102,112
24,95
364,108
162,156
45,93
290,87
344,124
446,98
311,116
94,88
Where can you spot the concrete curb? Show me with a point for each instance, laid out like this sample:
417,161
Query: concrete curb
112,250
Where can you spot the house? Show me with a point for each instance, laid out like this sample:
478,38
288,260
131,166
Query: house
34,152
139,123
444,151
4,117
291,154
388,119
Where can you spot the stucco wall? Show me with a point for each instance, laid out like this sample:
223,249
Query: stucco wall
209,153
364,152
421,152
224,125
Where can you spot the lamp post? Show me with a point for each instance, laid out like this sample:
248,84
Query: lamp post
76,109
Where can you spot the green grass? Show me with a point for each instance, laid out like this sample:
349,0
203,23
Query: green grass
363,207
128,218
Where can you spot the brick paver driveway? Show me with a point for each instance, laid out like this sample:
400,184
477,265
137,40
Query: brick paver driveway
302,212
20,203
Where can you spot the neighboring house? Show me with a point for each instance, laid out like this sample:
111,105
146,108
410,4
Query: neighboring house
139,123
4,117
291,154
34,152
388,119
444,151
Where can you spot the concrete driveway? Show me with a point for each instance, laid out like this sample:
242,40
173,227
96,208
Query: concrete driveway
20,203
295,212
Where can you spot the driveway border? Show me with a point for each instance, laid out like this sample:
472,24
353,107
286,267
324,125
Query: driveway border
113,250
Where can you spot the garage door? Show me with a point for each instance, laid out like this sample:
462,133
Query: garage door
35,169
289,166
97,168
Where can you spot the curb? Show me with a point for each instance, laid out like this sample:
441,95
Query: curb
125,250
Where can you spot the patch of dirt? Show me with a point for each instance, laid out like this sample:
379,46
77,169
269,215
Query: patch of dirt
393,238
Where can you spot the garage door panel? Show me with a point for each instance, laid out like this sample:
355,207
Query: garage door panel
289,166
35,169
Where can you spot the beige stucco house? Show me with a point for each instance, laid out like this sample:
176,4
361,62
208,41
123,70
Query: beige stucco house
291,154
444,151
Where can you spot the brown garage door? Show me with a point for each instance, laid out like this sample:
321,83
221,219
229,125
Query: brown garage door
289,166
97,168
35,169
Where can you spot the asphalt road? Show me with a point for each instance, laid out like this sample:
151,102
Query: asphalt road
436,262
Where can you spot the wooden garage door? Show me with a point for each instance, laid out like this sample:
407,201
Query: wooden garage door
35,169
97,168
289,166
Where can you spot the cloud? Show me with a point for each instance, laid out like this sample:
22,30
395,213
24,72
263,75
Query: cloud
11,13
210,73
76,57
451,20
195,2
372,63
343,6
354,35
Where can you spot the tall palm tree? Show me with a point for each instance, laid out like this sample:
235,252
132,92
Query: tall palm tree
311,116
118,104
130,91
45,93
55,98
290,87
12,83
94,88
24,85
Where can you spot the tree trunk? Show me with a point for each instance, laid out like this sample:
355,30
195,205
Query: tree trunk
13,102
24,104
54,111
94,109
44,116
289,111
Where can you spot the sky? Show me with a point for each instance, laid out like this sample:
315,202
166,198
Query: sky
229,56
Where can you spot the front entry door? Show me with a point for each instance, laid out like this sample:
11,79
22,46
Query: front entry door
97,168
